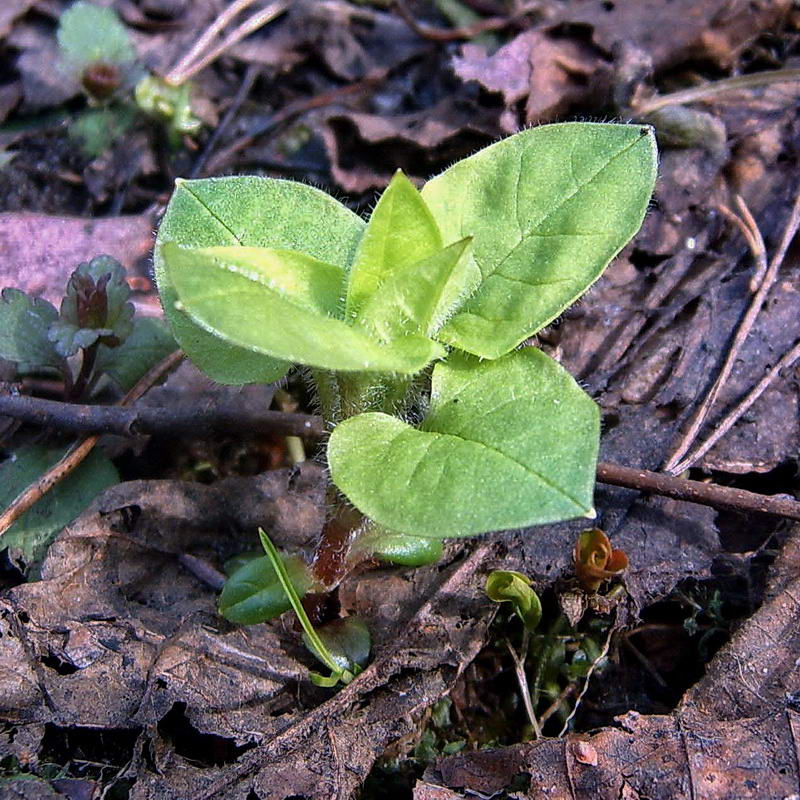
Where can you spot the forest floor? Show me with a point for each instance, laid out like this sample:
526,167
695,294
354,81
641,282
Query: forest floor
681,678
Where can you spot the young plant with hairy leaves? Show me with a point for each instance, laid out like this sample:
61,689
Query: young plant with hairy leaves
411,325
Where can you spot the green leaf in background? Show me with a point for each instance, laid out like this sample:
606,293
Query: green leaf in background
507,586
33,532
95,308
281,303
547,209
24,323
505,444
400,232
254,212
149,343
409,300
253,593
89,33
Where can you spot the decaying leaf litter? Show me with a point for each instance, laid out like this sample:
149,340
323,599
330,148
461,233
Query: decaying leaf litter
133,671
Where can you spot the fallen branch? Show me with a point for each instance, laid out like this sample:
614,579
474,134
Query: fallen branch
181,420
233,419
705,494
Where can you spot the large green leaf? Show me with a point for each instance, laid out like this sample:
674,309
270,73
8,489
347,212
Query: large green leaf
254,212
24,324
506,443
282,304
547,209
33,532
400,232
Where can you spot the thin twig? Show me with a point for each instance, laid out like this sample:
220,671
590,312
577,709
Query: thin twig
522,679
250,75
237,420
206,38
715,88
588,678
180,420
568,690
452,34
707,494
196,60
676,462
76,454
786,360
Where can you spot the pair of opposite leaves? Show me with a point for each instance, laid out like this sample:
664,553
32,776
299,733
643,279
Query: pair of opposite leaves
254,269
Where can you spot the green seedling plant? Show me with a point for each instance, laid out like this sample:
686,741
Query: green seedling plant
414,329
93,343
97,53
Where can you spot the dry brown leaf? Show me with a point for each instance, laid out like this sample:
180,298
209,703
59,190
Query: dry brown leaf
40,251
733,735
551,74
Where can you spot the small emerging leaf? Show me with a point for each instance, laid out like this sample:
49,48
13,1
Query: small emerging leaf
95,308
513,587
32,533
253,593
253,212
547,210
24,323
595,559
505,444
282,303
400,232
409,301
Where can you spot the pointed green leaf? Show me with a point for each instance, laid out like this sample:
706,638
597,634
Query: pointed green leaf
253,593
506,444
409,300
33,532
281,303
401,231
254,212
547,209
24,323
149,343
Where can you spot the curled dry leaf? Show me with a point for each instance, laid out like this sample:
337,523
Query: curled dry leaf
550,74
595,560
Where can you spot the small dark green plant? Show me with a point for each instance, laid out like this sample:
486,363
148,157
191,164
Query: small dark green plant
93,340
410,327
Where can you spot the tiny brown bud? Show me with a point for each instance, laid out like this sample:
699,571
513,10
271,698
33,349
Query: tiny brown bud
101,79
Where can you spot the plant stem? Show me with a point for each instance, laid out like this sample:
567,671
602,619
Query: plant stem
336,538
85,374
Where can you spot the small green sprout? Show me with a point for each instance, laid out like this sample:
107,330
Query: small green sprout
415,328
97,52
